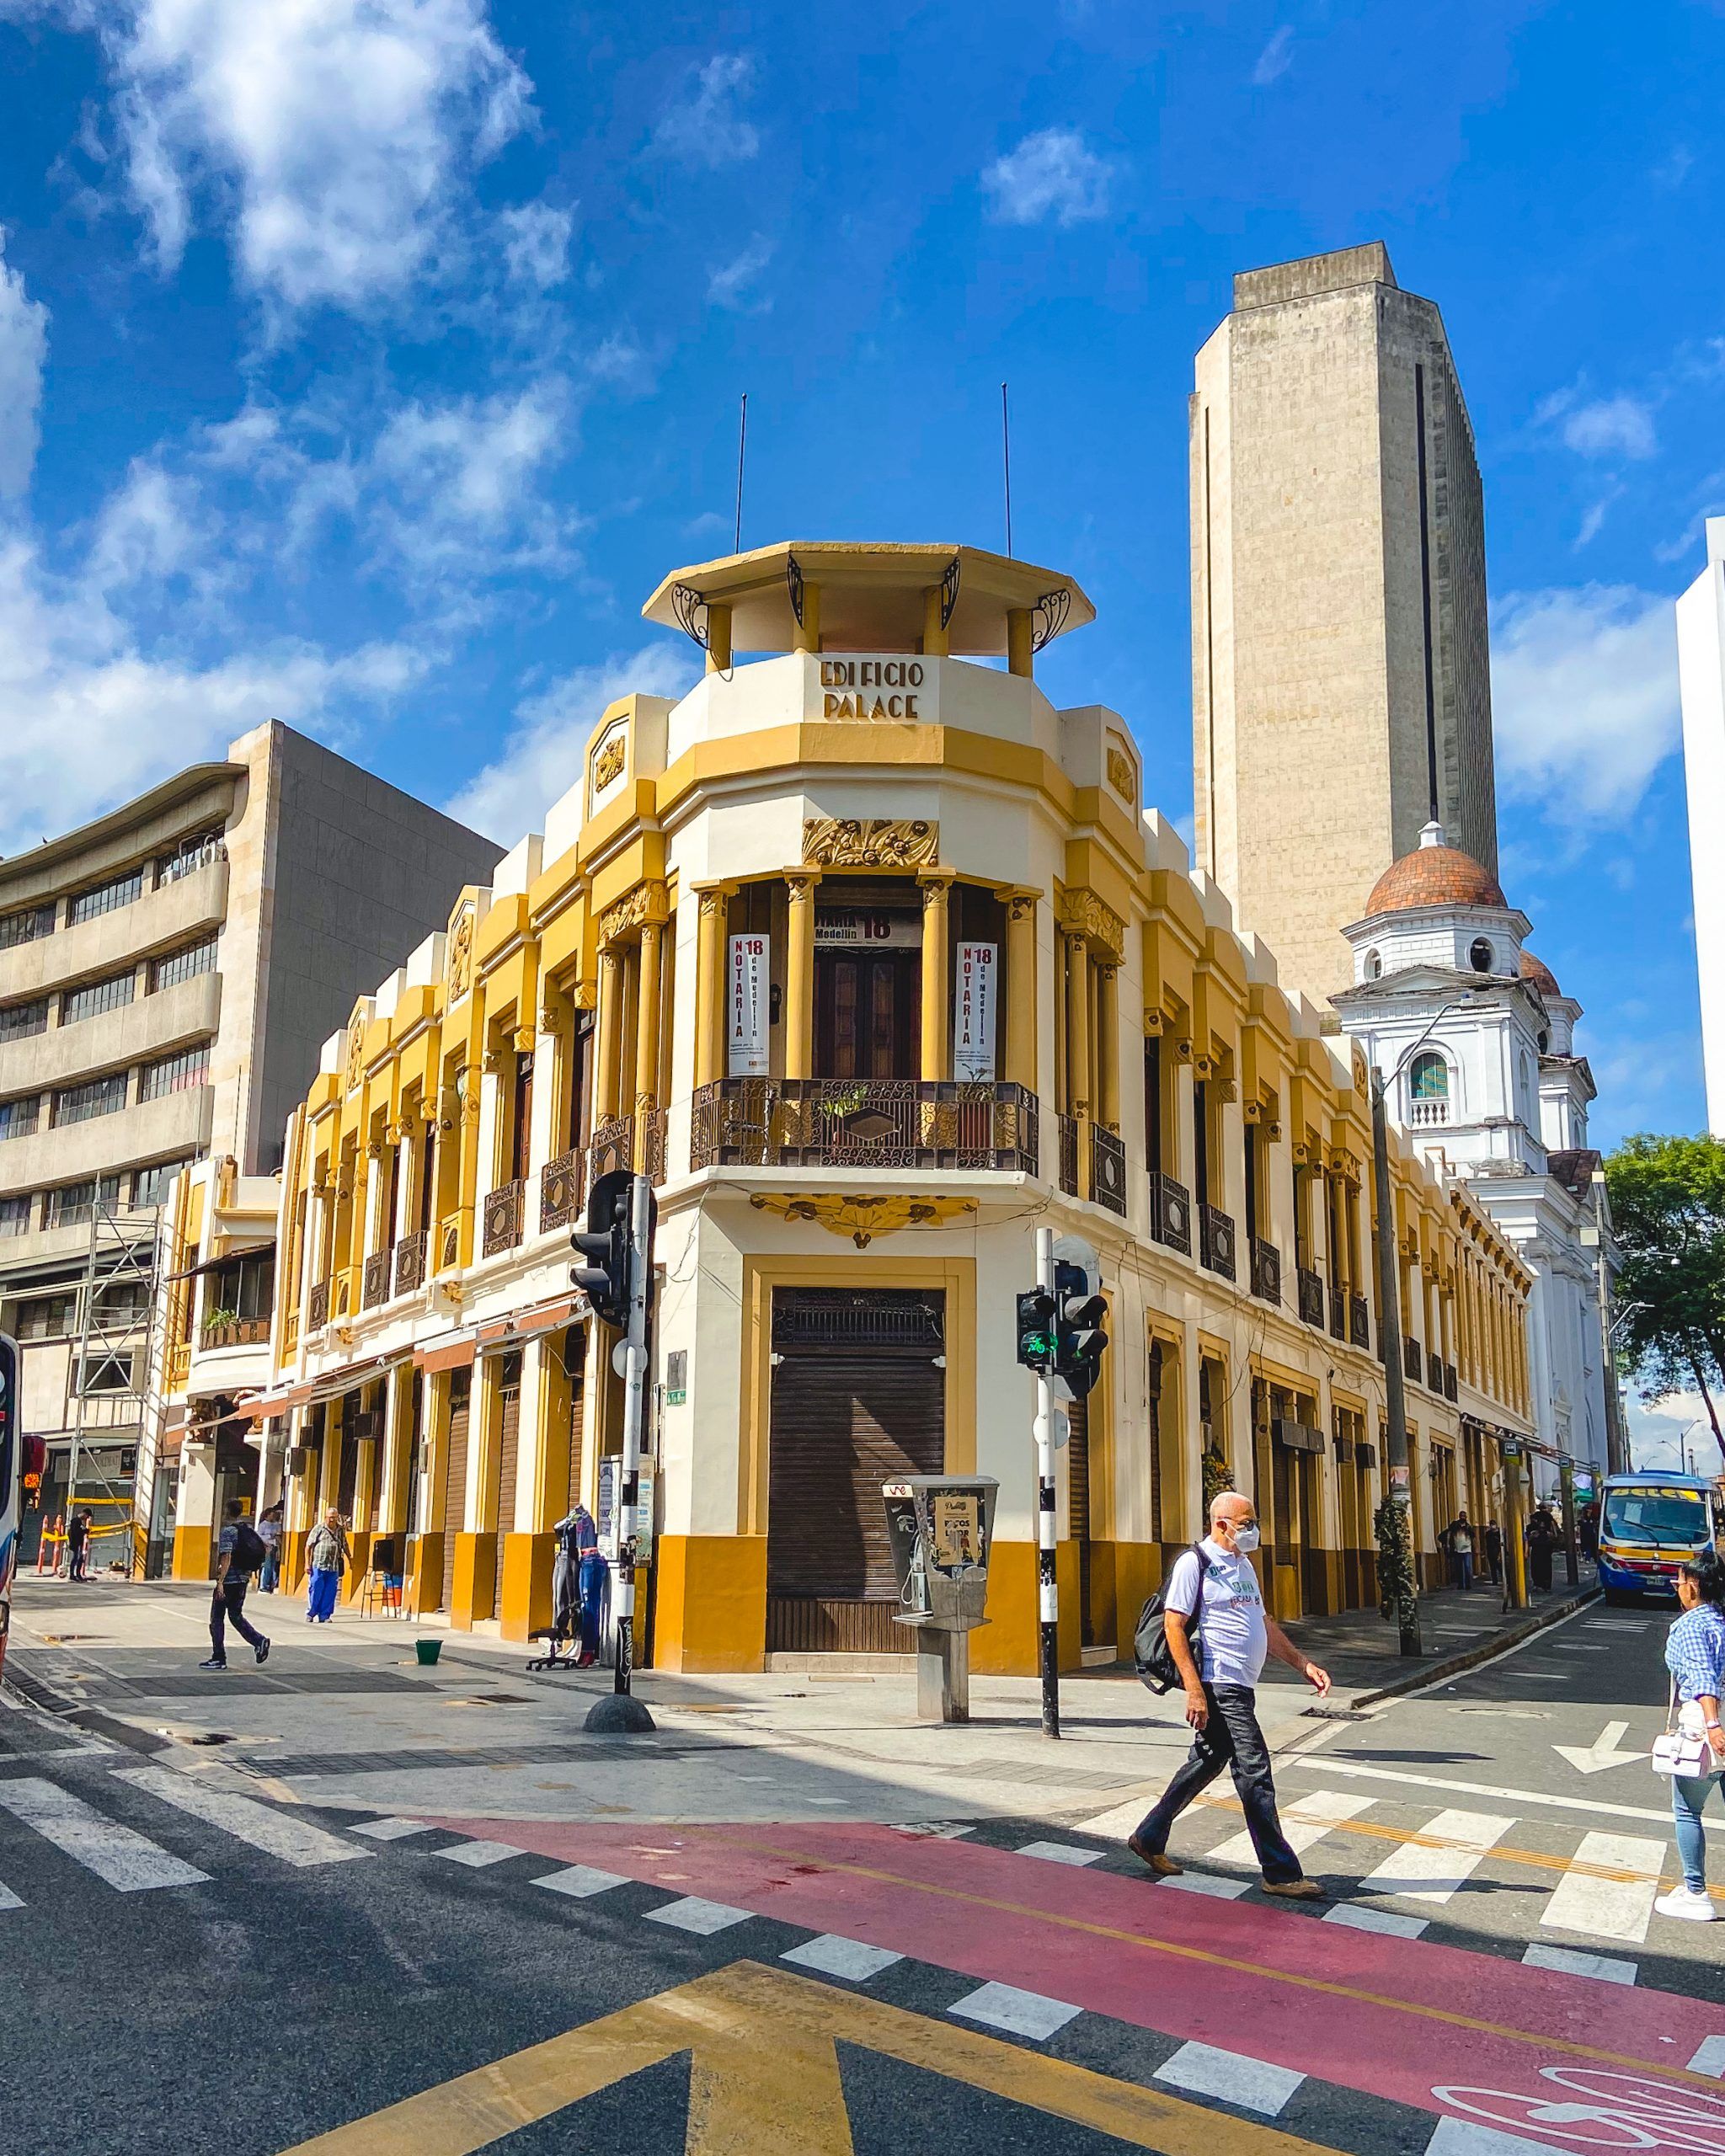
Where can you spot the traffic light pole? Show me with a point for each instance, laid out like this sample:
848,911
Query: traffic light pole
622,1714
1048,1596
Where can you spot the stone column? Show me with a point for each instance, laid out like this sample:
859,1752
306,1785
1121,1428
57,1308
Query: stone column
719,639
710,986
1021,990
1078,1093
394,1496
647,1024
937,981
608,1067
934,634
1107,1048
799,975
805,635
1018,643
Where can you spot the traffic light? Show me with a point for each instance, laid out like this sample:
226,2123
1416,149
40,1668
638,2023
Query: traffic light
604,1243
1079,1338
1036,1329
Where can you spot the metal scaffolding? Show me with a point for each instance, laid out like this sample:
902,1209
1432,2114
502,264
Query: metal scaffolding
108,1379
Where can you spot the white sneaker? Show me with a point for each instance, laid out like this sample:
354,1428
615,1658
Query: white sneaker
1684,1902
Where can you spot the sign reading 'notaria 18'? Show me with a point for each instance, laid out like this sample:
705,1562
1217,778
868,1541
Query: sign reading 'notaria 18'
745,1025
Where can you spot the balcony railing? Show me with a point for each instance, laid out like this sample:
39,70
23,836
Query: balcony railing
884,1123
1215,1241
236,1333
1068,1129
449,1238
410,1255
1311,1297
1413,1362
374,1287
1266,1270
1360,1321
1170,1212
562,1186
1338,1313
612,1146
1434,1372
1108,1169
653,1167
500,1225
1429,1115
317,1307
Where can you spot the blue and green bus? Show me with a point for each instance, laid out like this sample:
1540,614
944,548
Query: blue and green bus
1648,1525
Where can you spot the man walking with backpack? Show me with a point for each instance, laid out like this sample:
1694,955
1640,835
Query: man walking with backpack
1214,1592
239,1555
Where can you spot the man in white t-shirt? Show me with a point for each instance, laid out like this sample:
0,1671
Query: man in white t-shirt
1235,1634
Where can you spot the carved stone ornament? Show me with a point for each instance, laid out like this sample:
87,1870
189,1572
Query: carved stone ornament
609,759
862,1218
1083,914
585,996
1120,774
356,1026
646,902
870,842
523,1039
460,963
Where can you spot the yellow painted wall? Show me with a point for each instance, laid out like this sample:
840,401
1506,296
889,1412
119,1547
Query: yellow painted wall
711,1610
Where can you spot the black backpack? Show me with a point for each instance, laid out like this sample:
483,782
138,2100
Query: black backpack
1151,1656
248,1551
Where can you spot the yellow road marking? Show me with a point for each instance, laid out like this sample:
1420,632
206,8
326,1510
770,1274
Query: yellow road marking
765,2074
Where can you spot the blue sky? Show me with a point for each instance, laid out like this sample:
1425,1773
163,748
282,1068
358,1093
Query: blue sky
365,363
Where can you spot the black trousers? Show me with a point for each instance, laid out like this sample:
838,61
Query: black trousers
1230,1738
229,1600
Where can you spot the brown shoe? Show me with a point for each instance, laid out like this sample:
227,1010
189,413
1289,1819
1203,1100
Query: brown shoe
1164,1867
1293,1890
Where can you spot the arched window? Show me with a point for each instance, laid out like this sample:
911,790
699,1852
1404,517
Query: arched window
1479,954
1429,1077
1373,966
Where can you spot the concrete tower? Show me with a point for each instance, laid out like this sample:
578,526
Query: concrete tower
1701,665
1341,696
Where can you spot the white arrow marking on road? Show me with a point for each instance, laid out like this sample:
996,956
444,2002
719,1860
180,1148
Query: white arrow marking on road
1593,1758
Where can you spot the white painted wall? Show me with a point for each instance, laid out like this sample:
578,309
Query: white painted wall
1701,667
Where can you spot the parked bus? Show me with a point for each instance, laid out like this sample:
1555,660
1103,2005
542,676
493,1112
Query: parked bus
1648,1525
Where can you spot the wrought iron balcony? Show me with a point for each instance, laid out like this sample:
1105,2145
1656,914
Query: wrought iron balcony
653,1167
1069,1154
1311,1297
1266,1270
880,1123
1215,1241
612,1146
563,1187
317,1307
1108,1169
410,1255
374,1287
1338,1313
1360,1321
1434,1372
505,1208
1413,1362
1170,1212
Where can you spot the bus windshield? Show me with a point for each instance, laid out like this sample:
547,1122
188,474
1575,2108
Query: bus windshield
1673,1518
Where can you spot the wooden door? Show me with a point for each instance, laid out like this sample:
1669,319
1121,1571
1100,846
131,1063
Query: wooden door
868,1014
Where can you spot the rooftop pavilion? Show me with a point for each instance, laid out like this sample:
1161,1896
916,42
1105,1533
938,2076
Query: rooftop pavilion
845,596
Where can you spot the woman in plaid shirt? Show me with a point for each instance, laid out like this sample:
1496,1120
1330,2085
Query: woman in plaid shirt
1694,1655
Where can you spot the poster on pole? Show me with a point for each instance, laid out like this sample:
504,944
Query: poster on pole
746,1029
975,1002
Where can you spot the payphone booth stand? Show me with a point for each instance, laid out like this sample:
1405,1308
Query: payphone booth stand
941,1530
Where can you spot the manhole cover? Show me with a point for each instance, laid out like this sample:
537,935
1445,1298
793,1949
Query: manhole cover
1335,1714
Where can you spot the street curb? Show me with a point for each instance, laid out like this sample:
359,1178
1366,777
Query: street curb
1434,1672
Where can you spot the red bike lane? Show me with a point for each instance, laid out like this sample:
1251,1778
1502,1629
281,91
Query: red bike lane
1443,2028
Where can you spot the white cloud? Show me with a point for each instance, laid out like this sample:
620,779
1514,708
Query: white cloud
1276,58
1604,427
542,757
333,132
705,127
1051,175
72,672
536,249
24,353
1585,694
456,487
148,531
727,286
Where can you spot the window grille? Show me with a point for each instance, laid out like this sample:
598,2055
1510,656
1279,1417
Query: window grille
19,1020
106,898
79,1004
175,1074
19,1117
149,1186
182,965
95,1096
26,926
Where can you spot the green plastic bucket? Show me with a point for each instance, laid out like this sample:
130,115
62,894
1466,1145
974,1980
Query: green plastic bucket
428,1652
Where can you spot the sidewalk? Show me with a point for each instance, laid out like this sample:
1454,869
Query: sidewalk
343,1716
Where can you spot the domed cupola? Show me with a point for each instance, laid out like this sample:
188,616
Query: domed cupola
1437,908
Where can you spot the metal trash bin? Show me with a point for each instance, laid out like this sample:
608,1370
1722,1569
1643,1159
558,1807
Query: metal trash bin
940,1528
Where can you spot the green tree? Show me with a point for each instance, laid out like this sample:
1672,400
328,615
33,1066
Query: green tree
1667,1211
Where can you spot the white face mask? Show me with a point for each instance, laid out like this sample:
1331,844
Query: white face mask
1246,1541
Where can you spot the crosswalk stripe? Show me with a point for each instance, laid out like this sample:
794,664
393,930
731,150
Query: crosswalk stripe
1433,1874
277,1833
851,1959
388,1829
580,1880
1607,1968
8,1900
477,1854
1609,1909
1060,1853
1019,2013
1709,2058
1360,1915
127,1860
690,1913
1204,1883
1303,1824
1467,2138
1253,2083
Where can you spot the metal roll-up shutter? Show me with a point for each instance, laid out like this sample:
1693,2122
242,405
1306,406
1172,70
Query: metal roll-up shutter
455,1481
509,1445
858,1397
347,1479
1077,1414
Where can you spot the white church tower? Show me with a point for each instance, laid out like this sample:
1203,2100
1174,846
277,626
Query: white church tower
1700,668
1477,1043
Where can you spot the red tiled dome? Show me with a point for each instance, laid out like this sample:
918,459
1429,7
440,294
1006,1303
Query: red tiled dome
1538,974
1434,876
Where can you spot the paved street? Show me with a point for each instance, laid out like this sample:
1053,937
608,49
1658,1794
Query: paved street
793,1972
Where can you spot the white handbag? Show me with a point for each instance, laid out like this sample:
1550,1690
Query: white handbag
1681,1752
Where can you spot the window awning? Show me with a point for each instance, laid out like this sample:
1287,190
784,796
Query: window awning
454,1352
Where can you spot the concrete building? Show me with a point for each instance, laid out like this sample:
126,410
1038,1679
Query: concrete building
1342,698
872,958
1701,666
167,975
1476,1042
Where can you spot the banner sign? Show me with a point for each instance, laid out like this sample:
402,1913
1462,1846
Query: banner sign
745,1028
974,1001
846,928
